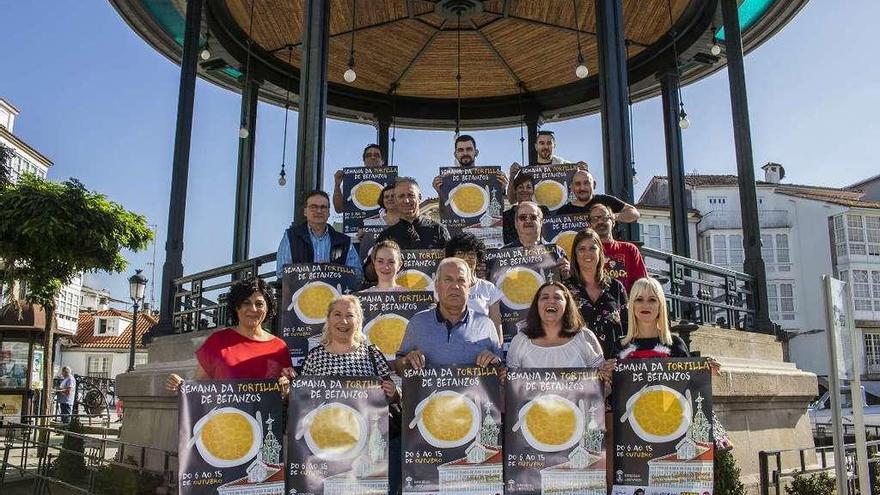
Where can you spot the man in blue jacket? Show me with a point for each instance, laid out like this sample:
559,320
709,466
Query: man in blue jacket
315,241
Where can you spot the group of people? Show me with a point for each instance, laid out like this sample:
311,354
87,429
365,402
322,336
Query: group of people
605,308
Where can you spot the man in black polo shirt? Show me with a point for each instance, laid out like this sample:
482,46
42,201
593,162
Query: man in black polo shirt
412,232
583,184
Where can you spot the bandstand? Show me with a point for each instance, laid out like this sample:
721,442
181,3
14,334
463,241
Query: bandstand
466,65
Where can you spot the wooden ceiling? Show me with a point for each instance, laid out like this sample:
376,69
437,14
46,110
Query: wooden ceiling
403,43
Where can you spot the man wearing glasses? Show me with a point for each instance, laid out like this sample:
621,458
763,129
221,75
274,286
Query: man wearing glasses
315,241
529,220
627,264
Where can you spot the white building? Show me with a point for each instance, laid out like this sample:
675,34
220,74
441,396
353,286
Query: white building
100,347
25,159
806,231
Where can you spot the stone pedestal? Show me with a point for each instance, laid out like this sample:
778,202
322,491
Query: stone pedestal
760,399
150,417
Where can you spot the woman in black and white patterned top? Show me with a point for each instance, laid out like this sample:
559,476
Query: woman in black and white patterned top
344,350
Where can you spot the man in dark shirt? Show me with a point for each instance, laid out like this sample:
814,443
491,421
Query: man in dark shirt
524,190
529,222
583,184
412,232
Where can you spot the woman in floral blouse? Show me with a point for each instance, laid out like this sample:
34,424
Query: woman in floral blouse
600,297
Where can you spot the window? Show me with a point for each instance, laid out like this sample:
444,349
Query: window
719,249
718,201
872,352
735,243
140,359
774,250
839,236
99,366
651,236
781,301
101,325
872,235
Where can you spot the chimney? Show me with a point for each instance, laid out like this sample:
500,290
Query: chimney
773,172
146,307
103,303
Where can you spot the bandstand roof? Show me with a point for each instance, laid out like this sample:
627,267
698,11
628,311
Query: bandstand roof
517,56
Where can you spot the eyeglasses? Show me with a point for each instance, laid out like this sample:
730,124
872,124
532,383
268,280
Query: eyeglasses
602,218
525,218
317,207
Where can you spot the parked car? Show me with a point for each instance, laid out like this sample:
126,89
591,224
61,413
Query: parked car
820,411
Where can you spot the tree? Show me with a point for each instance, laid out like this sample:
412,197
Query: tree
727,474
5,165
51,232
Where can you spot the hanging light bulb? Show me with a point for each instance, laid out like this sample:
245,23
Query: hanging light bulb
350,75
205,54
715,49
282,180
581,71
683,121
243,131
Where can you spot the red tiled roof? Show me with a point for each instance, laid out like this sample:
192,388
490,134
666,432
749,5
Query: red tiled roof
85,334
833,195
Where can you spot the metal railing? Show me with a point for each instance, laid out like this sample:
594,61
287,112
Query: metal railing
724,219
37,450
774,477
703,293
200,298
698,292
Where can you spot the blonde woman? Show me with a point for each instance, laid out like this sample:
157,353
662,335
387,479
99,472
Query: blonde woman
344,351
648,334
387,261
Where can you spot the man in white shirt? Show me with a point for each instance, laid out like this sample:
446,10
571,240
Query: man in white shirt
66,393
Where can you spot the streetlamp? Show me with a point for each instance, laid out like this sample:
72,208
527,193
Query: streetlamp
137,285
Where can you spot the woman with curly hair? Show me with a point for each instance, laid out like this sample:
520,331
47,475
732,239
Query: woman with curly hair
246,350
600,297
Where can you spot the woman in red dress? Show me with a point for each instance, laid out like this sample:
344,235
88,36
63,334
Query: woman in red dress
245,351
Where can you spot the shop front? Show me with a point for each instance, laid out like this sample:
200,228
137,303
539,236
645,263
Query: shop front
21,361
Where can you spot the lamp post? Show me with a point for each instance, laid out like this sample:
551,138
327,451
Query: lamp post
137,285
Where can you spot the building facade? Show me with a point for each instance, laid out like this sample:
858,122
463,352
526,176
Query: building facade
806,231
100,348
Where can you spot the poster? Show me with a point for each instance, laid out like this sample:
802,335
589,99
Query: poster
369,233
518,272
554,433
37,370
663,427
229,434
307,289
472,200
840,310
386,315
551,184
361,188
452,431
419,266
10,408
337,436
562,229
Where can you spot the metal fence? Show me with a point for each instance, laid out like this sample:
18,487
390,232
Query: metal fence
703,293
52,456
773,476
699,292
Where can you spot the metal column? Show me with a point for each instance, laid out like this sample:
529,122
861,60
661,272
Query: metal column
244,185
745,167
173,266
614,100
532,131
383,126
669,82
312,101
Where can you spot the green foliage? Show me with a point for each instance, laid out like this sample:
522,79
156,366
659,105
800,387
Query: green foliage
119,480
50,232
70,465
5,166
813,484
727,474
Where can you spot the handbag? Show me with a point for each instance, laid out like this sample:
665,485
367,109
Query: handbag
395,411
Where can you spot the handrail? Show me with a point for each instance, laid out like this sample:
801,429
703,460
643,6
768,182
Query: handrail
698,292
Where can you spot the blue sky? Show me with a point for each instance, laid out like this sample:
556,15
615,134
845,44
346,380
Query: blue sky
101,104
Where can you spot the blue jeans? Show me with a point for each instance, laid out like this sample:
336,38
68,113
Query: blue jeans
65,412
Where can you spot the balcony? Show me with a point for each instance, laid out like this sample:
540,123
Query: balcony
871,371
721,219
